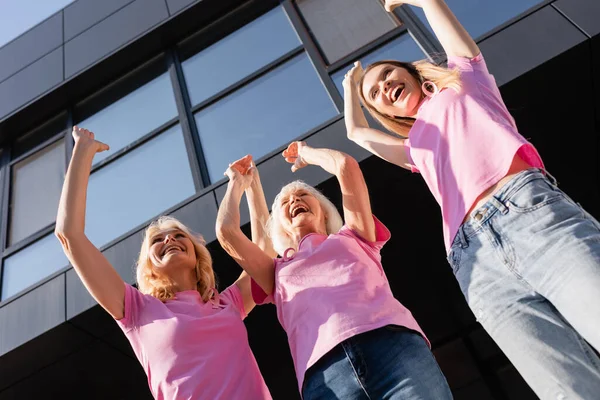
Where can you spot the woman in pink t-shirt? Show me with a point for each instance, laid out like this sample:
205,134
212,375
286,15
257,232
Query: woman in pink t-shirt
526,256
348,336
190,339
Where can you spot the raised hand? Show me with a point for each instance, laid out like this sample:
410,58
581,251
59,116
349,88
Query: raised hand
242,171
353,75
293,155
85,138
391,4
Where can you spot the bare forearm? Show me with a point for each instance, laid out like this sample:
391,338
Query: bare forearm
228,217
71,209
455,40
259,214
354,116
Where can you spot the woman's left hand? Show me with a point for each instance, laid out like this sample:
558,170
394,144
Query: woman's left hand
391,4
241,171
293,155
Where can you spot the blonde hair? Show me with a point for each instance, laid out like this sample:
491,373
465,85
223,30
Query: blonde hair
281,240
161,287
424,72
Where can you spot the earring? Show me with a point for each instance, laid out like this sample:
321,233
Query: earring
426,88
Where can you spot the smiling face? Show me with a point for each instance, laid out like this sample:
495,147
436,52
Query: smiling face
171,248
299,209
392,90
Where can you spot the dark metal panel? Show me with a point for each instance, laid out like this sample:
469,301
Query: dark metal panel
30,46
177,5
31,82
113,32
40,353
200,215
122,256
584,13
82,14
529,43
32,314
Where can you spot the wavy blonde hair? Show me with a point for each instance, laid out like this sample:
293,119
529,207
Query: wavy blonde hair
424,72
161,287
280,238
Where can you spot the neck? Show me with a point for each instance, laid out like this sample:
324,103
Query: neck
302,231
184,279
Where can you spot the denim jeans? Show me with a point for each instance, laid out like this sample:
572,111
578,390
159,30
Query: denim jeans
386,363
528,263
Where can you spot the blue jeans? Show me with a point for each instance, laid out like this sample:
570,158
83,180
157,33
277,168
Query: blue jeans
528,263
386,363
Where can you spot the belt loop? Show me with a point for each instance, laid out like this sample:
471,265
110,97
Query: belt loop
462,237
551,178
499,205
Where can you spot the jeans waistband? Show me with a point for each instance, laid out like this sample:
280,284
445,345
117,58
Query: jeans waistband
497,203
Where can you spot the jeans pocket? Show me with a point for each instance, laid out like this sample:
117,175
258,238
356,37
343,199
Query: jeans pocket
534,195
454,258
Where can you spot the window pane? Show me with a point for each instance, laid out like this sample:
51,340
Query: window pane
267,113
138,186
239,54
32,264
133,116
403,48
342,26
36,185
481,16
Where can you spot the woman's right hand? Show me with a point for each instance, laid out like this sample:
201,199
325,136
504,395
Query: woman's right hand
391,4
241,172
353,76
85,139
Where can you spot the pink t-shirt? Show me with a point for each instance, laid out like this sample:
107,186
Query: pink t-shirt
464,142
331,289
191,349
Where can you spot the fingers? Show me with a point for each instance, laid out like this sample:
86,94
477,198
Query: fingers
103,147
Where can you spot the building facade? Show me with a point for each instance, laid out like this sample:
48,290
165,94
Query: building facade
179,88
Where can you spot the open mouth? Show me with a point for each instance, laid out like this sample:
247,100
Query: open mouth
397,92
297,210
171,249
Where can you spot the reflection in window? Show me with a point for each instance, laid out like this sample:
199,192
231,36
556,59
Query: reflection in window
133,116
481,16
138,186
267,113
239,54
403,48
32,264
343,26
35,191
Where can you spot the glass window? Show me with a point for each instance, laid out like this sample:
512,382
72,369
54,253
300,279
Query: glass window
32,264
263,115
239,54
343,26
133,116
481,16
35,191
138,186
403,48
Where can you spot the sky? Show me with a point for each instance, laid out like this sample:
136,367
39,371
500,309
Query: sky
18,16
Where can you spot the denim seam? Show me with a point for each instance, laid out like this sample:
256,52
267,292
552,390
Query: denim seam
355,371
516,208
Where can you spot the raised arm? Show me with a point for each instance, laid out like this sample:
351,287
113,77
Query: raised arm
385,146
98,276
256,262
355,195
454,38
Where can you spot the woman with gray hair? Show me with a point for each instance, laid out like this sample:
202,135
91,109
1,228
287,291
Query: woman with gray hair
348,336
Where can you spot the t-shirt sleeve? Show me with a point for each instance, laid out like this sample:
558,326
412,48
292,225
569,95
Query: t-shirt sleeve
259,296
134,304
382,235
466,64
233,295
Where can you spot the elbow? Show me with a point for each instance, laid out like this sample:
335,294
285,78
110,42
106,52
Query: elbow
348,164
351,134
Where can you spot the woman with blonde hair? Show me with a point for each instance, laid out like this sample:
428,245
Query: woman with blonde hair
527,258
189,338
348,336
